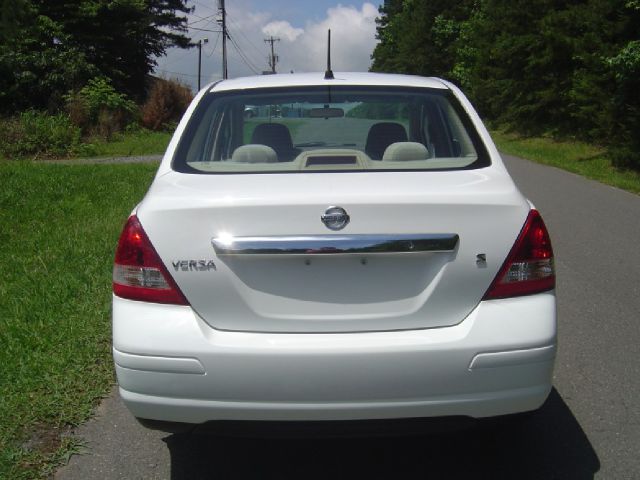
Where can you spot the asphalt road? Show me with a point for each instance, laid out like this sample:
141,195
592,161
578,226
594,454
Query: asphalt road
589,427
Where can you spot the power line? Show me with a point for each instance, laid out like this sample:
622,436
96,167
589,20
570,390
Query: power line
213,50
209,55
203,29
201,19
243,56
237,27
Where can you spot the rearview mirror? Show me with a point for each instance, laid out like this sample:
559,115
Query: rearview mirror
326,113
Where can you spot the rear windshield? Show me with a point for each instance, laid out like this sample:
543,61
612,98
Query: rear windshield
329,129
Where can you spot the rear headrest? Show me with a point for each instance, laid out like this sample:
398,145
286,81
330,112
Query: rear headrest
403,151
381,135
276,135
254,154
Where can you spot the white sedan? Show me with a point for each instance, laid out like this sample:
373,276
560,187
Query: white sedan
356,250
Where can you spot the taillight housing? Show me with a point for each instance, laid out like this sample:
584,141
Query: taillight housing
138,272
529,266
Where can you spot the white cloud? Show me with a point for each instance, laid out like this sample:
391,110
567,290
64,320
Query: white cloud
352,41
302,48
282,28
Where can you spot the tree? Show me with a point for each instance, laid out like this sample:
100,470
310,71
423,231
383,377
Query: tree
10,12
419,36
63,44
523,60
122,37
37,65
625,68
560,67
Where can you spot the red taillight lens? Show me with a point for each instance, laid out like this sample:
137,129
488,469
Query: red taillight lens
529,266
138,272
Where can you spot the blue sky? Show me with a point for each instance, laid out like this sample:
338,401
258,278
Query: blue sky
300,25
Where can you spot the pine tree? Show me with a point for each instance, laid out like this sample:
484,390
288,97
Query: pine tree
560,67
419,36
61,45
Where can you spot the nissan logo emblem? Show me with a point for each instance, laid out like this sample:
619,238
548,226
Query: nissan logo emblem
335,218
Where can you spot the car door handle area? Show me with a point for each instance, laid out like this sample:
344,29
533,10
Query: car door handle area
335,244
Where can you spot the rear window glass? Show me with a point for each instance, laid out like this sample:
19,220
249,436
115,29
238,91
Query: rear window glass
329,129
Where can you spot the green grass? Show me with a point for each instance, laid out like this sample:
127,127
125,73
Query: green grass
140,142
59,226
577,157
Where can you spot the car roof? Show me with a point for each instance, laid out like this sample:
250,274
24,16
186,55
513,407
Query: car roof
317,79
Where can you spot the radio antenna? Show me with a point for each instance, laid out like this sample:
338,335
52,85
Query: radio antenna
328,75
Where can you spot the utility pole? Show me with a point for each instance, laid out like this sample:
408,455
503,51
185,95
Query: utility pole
200,42
223,22
273,59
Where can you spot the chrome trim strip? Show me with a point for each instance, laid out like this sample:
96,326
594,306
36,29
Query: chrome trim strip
335,244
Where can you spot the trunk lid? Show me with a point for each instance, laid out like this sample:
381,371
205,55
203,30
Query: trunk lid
315,289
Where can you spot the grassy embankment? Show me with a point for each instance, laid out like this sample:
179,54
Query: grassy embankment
59,226
147,142
577,157
142,142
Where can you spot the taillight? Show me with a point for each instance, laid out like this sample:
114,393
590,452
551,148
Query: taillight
138,273
529,266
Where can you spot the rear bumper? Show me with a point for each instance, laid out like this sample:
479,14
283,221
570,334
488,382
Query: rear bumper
173,366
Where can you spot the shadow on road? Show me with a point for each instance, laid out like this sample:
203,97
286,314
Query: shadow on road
550,445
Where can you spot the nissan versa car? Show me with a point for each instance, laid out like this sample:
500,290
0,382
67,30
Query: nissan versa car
353,250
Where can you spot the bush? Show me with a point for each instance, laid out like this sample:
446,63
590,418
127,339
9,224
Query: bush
78,111
166,103
36,134
625,157
98,109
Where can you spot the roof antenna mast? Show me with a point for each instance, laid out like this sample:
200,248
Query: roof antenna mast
328,75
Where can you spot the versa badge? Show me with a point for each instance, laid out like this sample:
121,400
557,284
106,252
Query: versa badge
194,265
